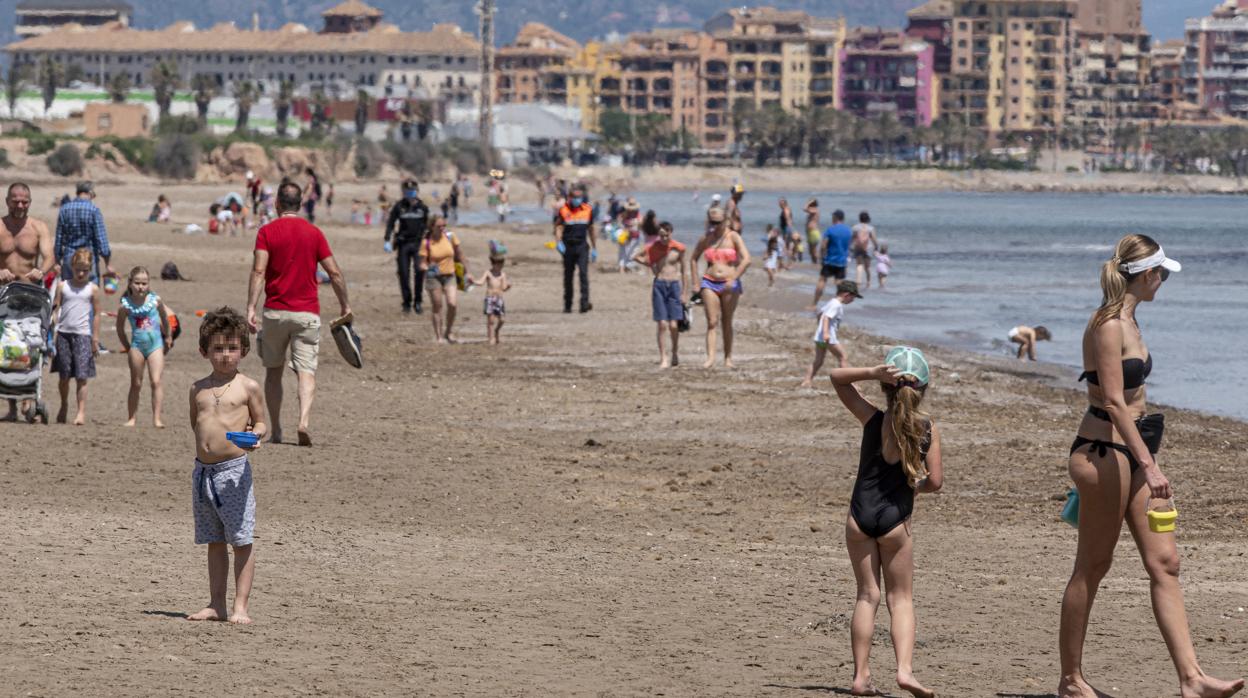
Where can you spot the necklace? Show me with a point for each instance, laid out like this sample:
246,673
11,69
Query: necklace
216,397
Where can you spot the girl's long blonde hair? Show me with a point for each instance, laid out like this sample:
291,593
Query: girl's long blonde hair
910,426
1114,280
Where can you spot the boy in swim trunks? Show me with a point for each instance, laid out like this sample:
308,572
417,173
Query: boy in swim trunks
222,499
496,284
670,266
829,323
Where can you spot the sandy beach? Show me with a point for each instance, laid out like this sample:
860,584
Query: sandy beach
557,516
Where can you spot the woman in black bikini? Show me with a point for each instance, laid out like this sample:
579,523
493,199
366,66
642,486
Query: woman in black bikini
1112,462
900,455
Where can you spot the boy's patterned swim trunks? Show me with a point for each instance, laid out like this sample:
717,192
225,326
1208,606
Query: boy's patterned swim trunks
494,306
223,502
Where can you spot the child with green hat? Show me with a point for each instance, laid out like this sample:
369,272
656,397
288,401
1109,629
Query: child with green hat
496,284
900,456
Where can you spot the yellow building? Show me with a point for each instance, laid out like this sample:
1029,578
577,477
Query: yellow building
1008,65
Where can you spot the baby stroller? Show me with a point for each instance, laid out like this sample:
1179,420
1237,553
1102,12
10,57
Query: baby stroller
25,325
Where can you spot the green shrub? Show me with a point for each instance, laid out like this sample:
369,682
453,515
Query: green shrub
66,160
39,143
138,151
467,156
184,124
176,156
416,157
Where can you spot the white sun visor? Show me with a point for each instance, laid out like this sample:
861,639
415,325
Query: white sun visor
1157,259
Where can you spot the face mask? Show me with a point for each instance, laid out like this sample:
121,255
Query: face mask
411,193
577,201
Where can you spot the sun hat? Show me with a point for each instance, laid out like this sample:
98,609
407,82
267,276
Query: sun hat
632,205
497,250
847,286
1156,259
738,189
910,362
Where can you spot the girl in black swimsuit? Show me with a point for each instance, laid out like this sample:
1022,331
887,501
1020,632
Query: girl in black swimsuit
1113,465
900,455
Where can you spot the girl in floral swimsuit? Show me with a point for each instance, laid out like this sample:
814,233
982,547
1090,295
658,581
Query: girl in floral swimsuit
148,319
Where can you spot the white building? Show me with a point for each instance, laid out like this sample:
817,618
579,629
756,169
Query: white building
353,49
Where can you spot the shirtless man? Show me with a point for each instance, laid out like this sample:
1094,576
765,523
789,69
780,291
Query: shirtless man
733,209
860,247
25,247
666,259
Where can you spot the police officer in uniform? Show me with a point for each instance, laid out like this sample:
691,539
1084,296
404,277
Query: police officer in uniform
409,223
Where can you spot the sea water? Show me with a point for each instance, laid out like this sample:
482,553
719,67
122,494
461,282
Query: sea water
967,267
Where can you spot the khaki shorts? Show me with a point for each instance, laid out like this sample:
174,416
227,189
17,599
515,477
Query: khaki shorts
282,329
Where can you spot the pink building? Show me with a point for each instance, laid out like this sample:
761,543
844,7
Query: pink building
885,71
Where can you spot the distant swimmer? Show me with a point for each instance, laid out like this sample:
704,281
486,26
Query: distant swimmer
1026,337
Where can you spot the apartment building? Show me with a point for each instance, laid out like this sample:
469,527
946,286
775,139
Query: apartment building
1009,64
354,49
1215,60
658,72
1166,76
38,17
1109,77
887,72
783,58
933,22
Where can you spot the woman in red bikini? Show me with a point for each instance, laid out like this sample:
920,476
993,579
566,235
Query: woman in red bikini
726,262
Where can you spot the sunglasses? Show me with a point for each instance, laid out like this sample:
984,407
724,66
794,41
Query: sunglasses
1165,274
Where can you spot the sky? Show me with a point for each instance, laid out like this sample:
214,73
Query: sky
1164,18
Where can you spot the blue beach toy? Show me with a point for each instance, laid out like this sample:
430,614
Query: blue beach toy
243,439
1070,512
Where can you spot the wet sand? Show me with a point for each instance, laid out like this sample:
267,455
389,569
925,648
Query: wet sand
558,516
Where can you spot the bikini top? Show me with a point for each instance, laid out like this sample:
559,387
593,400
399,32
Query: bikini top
1134,373
725,255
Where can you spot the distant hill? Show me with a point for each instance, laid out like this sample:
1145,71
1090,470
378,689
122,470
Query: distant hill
580,19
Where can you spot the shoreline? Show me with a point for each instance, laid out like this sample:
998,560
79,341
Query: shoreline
859,180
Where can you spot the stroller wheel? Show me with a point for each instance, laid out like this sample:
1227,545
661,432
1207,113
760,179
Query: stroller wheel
31,413
41,410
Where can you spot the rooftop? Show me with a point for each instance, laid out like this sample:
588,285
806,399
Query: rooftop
73,6
184,38
932,9
352,8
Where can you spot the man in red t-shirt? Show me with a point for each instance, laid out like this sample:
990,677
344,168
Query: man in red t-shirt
287,252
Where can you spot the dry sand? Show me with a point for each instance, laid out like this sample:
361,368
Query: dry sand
558,516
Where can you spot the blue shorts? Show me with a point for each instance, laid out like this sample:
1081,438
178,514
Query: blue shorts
665,298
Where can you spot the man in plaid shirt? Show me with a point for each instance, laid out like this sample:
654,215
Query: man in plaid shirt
80,224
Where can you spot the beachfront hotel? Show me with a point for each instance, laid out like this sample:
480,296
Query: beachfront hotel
354,48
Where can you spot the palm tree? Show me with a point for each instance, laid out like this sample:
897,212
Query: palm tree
320,111
245,94
205,88
361,111
50,76
281,105
119,87
165,81
13,83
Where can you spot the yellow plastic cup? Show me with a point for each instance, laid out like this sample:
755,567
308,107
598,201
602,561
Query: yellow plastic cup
623,237
1162,520
550,244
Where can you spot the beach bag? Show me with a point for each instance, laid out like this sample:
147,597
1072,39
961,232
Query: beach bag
686,318
1070,512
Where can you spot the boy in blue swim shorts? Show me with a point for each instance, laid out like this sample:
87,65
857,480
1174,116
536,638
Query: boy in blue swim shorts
224,505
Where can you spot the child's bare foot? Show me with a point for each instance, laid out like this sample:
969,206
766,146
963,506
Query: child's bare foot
665,364
79,420
305,439
709,362
1208,687
452,339
158,424
805,384
208,613
275,437
728,363
675,360
240,618
907,682
129,423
